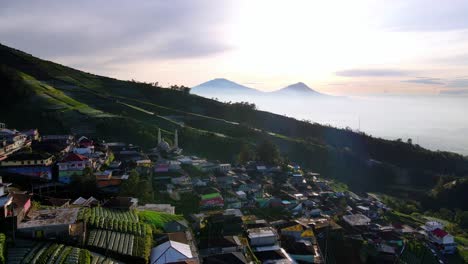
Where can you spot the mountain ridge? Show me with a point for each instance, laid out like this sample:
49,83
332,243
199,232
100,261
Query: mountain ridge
298,88
223,86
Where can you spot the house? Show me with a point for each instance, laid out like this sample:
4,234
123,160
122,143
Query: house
356,220
161,167
12,141
107,179
176,226
31,134
83,151
432,225
170,251
62,223
5,199
84,142
37,165
62,138
224,167
443,240
3,185
21,205
90,202
241,195
262,236
72,164
211,200
297,231
174,165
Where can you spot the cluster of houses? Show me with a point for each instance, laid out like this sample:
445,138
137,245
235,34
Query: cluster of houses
59,158
227,225
312,210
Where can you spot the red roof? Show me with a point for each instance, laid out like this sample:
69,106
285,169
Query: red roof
213,201
74,157
439,232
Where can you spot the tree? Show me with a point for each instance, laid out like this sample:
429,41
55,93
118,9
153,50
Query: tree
462,218
446,214
129,187
85,183
246,154
268,153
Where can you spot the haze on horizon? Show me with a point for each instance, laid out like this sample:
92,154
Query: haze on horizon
336,47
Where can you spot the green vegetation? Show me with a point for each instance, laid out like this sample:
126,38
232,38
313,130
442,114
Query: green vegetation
139,186
193,171
268,152
416,252
2,248
45,253
339,186
157,220
59,99
123,232
113,241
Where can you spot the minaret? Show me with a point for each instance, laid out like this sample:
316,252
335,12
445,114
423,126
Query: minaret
176,139
159,136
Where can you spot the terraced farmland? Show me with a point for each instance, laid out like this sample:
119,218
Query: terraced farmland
2,248
116,220
113,241
47,253
122,215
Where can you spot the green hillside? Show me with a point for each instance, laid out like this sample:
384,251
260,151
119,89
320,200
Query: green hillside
56,99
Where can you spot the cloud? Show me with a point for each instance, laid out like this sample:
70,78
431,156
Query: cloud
454,92
420,15
460,59
458,83
122,30
372,73
425,80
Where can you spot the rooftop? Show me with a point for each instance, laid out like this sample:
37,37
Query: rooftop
261,232
61,216
356,219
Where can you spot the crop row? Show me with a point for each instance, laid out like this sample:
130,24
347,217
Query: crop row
114,241
122,215
116,225
47,253
2,248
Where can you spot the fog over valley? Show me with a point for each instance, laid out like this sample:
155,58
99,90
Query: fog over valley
434,122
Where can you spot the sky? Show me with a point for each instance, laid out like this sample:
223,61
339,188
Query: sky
338,47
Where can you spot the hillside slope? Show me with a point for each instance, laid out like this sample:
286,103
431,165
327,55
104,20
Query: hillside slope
132,111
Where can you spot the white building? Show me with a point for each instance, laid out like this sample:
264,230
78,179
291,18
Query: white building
432,225
263,236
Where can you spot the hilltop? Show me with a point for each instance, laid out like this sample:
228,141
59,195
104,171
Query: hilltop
60,99
297,89
223,86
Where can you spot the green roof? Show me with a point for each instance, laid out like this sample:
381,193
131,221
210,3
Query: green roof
210,196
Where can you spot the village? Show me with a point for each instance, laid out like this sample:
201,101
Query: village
199,211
